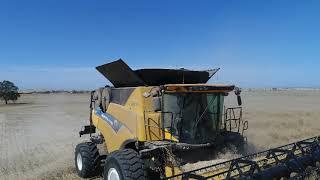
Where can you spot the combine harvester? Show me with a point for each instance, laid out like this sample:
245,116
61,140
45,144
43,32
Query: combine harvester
155,121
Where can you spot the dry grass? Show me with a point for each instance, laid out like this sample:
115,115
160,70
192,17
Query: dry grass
281,117
37,139
225,155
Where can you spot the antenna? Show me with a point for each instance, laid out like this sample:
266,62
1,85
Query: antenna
182,74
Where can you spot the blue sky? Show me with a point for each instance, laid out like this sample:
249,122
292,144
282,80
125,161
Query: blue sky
56,44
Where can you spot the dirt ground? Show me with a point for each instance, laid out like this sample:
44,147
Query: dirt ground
39,133
281,117
38,136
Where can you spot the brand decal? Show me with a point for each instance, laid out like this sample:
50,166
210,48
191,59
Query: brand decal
113,122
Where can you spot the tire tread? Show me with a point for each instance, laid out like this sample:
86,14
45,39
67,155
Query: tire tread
90,159
130,163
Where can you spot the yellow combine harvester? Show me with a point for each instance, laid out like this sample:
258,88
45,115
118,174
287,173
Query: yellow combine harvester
154,121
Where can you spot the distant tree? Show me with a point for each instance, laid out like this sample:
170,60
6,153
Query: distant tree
8,91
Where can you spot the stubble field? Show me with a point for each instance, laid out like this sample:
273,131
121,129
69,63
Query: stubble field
39,133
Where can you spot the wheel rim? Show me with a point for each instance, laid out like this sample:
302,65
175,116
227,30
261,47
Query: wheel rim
79,161
113,174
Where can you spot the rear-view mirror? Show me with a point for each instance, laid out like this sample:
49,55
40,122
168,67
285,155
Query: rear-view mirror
239,100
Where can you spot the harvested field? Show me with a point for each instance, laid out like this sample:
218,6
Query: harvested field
280,117
39,133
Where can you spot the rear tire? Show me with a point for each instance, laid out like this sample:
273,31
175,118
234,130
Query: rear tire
87,160
124,165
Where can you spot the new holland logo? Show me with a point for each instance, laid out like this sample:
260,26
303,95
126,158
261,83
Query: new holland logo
113,122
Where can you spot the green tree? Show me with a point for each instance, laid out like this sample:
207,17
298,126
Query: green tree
8,91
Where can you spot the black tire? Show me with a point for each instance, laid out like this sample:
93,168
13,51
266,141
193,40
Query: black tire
90,160
127,163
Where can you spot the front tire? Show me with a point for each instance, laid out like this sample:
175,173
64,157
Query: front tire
124,165
87,160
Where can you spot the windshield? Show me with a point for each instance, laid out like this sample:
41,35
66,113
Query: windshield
193,117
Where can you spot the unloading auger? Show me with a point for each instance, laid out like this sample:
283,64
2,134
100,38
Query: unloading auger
297,160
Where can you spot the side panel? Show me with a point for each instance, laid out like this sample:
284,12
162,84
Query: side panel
133,120
153,126
114,126
113,139
95,119
149,123
125,116
141,106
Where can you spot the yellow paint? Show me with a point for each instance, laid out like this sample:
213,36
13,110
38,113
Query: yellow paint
171,171
139,121
168,136
113,139
126,116
139,104
153,126
95,119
